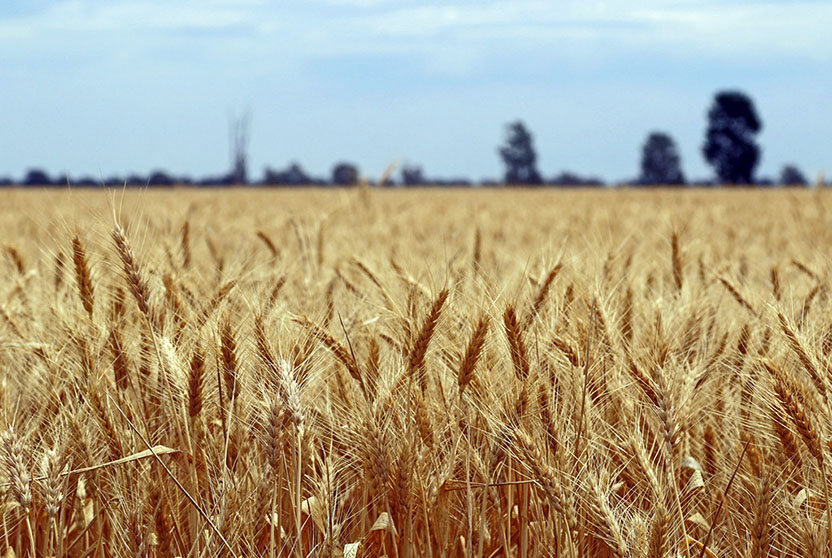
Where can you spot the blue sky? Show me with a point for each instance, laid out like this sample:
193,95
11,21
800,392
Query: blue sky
116,86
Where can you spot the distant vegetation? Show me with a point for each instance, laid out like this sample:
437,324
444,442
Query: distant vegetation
730,148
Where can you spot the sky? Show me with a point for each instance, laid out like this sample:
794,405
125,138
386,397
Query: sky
102,87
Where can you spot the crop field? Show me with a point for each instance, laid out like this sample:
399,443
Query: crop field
369,373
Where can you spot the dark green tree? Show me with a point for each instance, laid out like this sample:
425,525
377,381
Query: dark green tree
660,162
519,156
730,147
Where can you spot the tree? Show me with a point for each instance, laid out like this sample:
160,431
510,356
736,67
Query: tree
729,143
135,180
292,176
160,178
660,163
519,156
412,175
87,181
238,134
345,174
790,175
568,178
36,177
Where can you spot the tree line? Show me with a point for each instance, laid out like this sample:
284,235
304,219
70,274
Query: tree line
730,147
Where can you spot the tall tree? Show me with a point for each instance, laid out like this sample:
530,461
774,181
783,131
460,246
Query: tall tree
660,162
519,156
238,132
730,147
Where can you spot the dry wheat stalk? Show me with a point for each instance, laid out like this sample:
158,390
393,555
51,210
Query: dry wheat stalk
121,365
17,260
338,350
676,258
419,349
540,297
185,242
196,379
516,344
269,244
547,479
82,275
228,353
737,295
473,352
17,468
762,514
802,354
136,283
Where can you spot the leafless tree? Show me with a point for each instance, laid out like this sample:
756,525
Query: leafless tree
238,131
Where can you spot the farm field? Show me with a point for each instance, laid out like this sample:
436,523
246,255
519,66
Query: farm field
415,373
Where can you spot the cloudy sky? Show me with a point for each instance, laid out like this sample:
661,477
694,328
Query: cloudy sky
114,86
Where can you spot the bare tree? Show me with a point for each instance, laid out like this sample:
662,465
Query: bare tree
238,132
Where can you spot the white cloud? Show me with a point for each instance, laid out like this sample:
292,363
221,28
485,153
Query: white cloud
76,16
794,27
356,3
455,38
330,27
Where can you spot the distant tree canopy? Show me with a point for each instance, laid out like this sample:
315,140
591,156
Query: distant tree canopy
36,177
519,156
660,162
790,175
160,178
412,175
345,174
568,178
86,181
294,175
135,180
730,147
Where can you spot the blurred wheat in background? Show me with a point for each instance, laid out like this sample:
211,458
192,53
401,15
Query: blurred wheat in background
410,374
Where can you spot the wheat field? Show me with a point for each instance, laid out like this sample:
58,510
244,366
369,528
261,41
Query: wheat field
432,373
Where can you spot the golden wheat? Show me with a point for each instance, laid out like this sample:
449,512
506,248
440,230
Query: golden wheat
309,373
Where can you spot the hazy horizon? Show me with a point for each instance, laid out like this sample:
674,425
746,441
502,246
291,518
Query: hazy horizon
96,87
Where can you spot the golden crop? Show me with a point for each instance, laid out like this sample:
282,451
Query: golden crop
420,373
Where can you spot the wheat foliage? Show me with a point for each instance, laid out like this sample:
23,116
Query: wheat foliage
516,373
